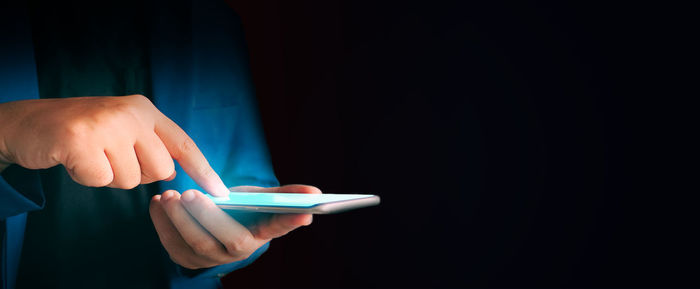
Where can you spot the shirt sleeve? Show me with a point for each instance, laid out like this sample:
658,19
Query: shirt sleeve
214,99
20,192
187,278
214,102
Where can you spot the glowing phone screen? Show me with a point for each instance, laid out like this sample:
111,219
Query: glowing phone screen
283,199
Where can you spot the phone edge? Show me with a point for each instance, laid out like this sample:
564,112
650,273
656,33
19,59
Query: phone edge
327,208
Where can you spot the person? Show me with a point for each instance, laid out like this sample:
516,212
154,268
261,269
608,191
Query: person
95,104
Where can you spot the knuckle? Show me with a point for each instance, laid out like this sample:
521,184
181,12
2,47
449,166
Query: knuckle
122,114
74,132
100,177
187,146
245,255
141,100
163,172
128,183
239,245
138,97
119,106
126,179
204,247
118,113
170,203
234,258
112,114
205,171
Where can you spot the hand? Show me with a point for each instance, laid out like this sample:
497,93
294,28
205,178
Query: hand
118,142
197,234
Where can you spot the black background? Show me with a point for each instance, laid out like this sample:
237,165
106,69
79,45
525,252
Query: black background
538,144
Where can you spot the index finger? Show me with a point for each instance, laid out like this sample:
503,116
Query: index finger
183,149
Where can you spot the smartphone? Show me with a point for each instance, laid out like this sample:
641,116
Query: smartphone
294,203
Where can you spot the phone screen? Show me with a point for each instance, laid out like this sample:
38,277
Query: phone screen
283,199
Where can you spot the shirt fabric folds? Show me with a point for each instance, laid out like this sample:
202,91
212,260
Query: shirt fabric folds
188,57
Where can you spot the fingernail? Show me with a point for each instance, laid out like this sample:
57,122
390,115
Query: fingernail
166,195
187,196
223,191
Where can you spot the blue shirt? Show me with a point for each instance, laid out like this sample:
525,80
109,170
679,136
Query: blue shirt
199,78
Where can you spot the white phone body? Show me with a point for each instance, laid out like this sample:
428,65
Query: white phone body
294,203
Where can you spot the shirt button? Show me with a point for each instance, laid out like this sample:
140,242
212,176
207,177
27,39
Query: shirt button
220,275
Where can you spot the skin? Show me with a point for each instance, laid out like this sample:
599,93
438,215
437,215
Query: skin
196,234
118,142
124,141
